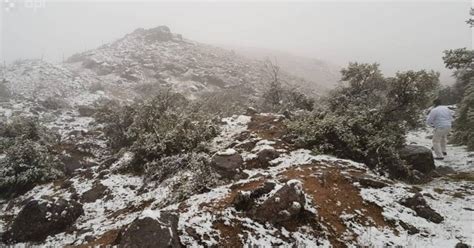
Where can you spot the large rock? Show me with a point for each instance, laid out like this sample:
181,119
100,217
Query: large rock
264,156
422,209
39,219
246,200
286,204
227,163
151,232
419,158
96,192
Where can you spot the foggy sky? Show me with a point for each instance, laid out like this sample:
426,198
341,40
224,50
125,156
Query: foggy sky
398,35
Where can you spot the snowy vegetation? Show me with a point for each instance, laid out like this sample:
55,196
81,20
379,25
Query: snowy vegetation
367,118
29,157
164,125
462,92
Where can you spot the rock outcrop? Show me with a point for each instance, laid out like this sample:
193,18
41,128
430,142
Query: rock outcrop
422,209
419,158
39,219
227,163
151,232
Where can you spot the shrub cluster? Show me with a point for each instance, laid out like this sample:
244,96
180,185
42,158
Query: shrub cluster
192,170
28,156
4,90
278,98
461,60
154,128
366,119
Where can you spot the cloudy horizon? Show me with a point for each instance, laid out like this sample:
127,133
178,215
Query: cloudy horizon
398,35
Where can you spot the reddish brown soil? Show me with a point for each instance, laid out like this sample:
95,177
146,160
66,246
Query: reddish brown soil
105,240
335,195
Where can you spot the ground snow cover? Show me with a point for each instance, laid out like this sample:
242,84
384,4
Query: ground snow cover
452,199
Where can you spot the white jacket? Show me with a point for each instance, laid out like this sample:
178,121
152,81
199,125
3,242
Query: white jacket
440,117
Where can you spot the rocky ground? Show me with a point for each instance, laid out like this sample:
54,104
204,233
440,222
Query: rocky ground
272,193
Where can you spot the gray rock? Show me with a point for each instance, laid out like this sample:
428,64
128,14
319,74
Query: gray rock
149,232
422,209
98,191
266,155
37,220
227,165
286,204
419,158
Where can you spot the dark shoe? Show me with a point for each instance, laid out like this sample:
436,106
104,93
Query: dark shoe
439,158
445,153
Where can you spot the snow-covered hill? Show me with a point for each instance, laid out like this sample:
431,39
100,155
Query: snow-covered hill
144,58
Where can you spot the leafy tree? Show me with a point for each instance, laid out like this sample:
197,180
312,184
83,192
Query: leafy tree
461,60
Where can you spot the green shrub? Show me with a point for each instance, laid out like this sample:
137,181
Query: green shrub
461,60
225,102
53,103
366,120
464,123
192,171
29,157
154,128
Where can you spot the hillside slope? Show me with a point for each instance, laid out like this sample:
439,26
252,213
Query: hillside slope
285,197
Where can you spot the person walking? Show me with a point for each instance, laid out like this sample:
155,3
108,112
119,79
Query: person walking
441,118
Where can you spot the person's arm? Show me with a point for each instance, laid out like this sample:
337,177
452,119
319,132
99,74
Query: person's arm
430,118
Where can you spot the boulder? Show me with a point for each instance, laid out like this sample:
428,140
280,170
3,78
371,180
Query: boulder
39,219
286,204
419,158
462,245
245,200
264,156
151,232
227,163
368,182
422,209
96,192
251,111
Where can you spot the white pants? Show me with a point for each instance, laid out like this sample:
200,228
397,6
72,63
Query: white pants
440,137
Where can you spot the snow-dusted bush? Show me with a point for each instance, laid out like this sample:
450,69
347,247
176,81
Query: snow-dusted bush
154,128
29,158
360,137
277,98
53,103
367,119
116,120
191,173
226,102
4,90
461,60
96,87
